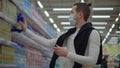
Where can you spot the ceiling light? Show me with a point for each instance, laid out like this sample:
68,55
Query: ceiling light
46,13
104,41
51,20
112,42
99,23
62,16
101,31
99,27
65,23
40,4
102,8
100,16
116,20
113,25
82,1
68,27
114,38
110,29
55,26
107,35
62,9
119,14
117,31
58,29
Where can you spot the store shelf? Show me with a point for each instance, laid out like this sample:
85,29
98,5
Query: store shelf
7,65
6,18
35,20
28,42
8,43
32,54
23,57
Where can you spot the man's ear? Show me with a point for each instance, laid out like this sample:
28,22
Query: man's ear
80,14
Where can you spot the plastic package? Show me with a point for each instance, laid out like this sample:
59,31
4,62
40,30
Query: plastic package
20,17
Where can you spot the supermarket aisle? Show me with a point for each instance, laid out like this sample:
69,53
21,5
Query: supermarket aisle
18,50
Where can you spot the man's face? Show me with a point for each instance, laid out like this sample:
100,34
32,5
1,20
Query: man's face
77,15
73,11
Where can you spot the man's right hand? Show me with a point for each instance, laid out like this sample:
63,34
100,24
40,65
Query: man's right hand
23,25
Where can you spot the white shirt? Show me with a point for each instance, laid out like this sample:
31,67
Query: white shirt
91,54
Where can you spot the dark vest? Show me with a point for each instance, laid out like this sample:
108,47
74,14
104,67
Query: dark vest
80,43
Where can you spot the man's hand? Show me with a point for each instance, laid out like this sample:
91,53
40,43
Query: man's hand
60,51
23,25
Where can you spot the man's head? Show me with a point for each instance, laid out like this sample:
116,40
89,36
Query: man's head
81,11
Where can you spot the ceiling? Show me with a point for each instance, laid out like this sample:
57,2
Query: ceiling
111,37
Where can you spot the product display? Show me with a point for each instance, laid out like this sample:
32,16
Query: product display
6,56
26,53
5,30
20,17
33,58
35,19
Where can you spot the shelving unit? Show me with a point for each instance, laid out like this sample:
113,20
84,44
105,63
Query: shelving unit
26,53
34,18
7,66
12,55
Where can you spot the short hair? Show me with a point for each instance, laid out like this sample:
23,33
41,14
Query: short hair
85,8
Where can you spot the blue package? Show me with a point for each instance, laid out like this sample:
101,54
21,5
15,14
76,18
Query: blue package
20,17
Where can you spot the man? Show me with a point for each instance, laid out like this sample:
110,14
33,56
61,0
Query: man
80,47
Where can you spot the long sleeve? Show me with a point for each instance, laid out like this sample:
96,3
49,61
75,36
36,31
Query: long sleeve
39,39
93,51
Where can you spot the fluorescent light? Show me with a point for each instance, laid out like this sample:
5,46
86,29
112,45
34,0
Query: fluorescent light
51,20
113,25
82,1
100,16
99,27
55,26
99,23
110,29
40,4
114,38
58,29
69,9
101,31
62,9
104,41
65,23
119,14
46,13
116,20
112,42
107,35
62,16
102,8
68,27
117,31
